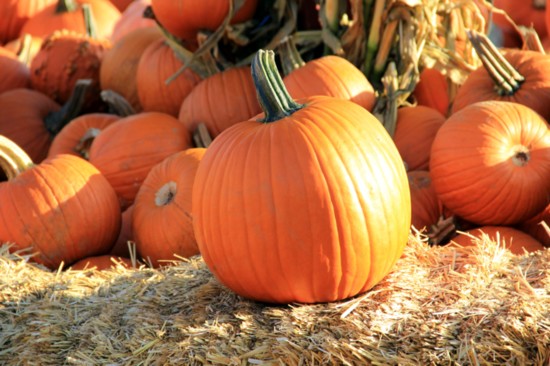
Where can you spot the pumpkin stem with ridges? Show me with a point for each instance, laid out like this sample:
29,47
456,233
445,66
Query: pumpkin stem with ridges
13,160
201,136
290,57
272,94
507,79
117,103
84,144
89,22
55,121
66,6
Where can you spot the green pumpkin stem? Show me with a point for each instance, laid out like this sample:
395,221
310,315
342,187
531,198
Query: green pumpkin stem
272,94
290,57
507,79
89,22
13,160
66,6
55,121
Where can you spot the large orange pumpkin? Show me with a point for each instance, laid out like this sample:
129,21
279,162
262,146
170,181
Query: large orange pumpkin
162,222
512,239
307,203
490,163
62,209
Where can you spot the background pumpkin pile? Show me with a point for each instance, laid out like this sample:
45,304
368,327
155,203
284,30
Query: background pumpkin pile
322,158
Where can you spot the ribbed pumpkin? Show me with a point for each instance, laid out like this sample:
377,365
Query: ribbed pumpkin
330,75
185,18
63,208
514,240
309,203
220,101
119,64
523,76
131,19
76,137
156,65
426,207
67,14
31,119
15,13
432,90
534,226
490,163
162,221
415,131
15,74
126,151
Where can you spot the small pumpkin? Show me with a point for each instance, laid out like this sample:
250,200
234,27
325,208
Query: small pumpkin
425,205
516,241
162,221
490,163
62,209
299,204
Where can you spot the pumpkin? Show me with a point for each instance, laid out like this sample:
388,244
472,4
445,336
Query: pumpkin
126,150
25,47
162,221
415,131
530,13
522,73
67,14
31,119
15,13
131,19
490,163
101,262
300,204
121,248
65,57
76,137
220,100
538,226
15,74
119,65
426,208
185,18
121,5
514,240
156,65
62,209
329,75
432,90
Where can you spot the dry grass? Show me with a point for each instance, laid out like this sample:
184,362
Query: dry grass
444,306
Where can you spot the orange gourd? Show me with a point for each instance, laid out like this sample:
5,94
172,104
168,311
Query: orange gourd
415,131
162,221
126,150
220,100
490,163
512,239
299,204
62,209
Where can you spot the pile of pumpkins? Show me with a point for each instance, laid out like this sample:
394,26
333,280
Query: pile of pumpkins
301,196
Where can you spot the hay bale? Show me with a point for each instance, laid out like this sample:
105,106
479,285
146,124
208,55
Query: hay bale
441,305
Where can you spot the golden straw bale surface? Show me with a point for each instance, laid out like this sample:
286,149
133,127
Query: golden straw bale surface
440,306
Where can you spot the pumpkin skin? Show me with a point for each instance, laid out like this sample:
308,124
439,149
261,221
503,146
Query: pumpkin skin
131,19
185,18
298,209
220,101
119,65
490,163
534,226
514,240
64,58
15,74
534,92
15,13
22,120
525,13
158,63
66,211
432,90
415,131
126,150
425,205
332,76
162,221
86,126
120,249
101,262
49,20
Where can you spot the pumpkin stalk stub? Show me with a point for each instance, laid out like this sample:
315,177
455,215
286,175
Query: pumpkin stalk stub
13,159
273,96
55,121
89,23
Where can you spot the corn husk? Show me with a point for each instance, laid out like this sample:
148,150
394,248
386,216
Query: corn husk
447,305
